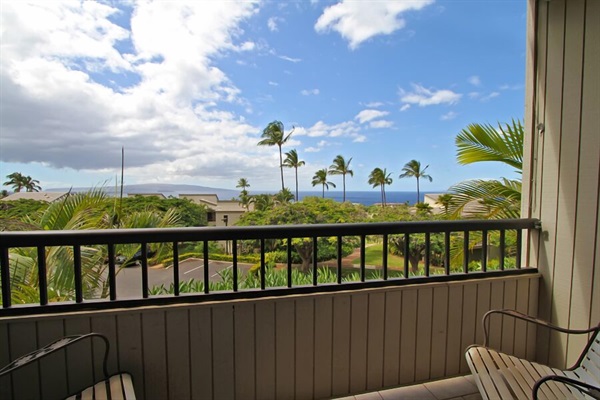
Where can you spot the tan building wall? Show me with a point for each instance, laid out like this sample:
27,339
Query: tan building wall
562,167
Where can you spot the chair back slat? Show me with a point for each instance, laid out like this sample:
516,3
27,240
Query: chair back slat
589,368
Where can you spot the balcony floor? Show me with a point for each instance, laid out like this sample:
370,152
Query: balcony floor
458,388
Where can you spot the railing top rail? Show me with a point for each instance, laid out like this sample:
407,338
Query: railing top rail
153,235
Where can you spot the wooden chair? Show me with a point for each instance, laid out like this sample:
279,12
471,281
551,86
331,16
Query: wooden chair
118,386
503,376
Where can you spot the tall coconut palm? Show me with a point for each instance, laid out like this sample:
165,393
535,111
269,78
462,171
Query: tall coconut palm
445,200
31,185
292,161
243,184
320,178
274,135
341,167
412,169
490,198
16,180
380,177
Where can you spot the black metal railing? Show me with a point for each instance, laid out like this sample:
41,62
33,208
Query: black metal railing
75,240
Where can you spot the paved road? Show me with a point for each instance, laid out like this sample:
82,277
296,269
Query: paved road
129,280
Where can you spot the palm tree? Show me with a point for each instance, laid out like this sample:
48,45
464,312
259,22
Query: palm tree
284,196
413,169
292,161
380,177
341,167
243,184
16,180
31,185
263,202
445,200
273,135
490,198
320,178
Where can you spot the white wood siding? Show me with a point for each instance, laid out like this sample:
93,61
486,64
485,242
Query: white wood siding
562,169
294,347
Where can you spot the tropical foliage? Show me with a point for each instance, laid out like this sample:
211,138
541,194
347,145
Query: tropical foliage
320,178
19,181
499,198
274,135
341,167
412,169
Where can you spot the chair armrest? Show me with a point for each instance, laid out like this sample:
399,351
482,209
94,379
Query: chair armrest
51,348
525,317
583,387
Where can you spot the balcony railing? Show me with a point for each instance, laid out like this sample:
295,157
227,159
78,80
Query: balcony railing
74,241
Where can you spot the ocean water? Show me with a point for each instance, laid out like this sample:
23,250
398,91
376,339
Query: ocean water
366,198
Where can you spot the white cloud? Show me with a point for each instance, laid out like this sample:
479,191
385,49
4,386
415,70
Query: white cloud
381,124
272,23
474,80
357,21
474,95
490,96
427,97
448,116
167,116
273,83
374,104
312,149
359,139
321,129
290,59
308,92
368,115
405,107
511,87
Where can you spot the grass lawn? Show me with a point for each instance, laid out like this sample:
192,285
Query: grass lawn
374,256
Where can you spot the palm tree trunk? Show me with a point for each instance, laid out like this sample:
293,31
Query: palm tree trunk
323,196
281,168
418,194
344,191
296,183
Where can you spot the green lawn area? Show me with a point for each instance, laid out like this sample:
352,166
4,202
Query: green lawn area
374,256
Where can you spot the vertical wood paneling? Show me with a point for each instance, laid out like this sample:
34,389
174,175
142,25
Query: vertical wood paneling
468,322
589,175
129,344
305,344
155,354
265,350
223,357
358,342
439,332
424,316
495,321
323,346
340,382
54,385
522,305
106,325
408,336
201,352
285,339
508,325
391,356
178,350
551,154
22,341
375,350
484,290
5,381
533,311
453,350
79,354
244,351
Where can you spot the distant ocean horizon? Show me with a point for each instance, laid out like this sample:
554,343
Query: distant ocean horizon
366,198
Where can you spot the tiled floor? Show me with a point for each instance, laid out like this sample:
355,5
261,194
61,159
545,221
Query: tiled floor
459,388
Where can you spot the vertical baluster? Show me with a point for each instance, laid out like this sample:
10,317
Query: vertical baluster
484,252
112,273
406,251
206,267
385,257
447,252
235,264
175,269
315,257
289,262
144,250
502,249
262,264
5,271
339,259
519,244
362,258
42,277
77,272
427,252
466,253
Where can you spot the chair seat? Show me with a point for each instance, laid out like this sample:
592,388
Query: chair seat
117,387
502,376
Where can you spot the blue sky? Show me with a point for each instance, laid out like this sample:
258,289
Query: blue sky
187,87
